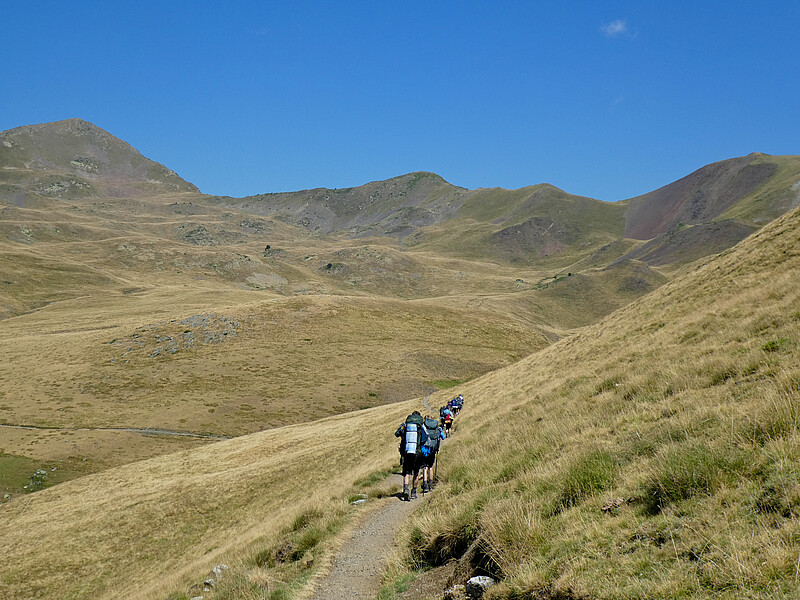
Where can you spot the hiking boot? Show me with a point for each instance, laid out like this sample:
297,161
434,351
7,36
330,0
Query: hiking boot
406,497
413,493
425,487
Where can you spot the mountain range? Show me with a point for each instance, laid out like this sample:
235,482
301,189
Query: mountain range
74,159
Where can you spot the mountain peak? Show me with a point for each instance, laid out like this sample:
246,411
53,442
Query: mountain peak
87,157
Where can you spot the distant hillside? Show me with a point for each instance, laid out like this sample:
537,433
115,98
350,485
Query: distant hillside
723,202
755,188
394,207
74,158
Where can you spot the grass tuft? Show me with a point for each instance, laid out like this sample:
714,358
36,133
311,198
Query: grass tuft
591,473
687,470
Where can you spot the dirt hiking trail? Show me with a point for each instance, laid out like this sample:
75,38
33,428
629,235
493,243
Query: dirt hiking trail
357,568
359,564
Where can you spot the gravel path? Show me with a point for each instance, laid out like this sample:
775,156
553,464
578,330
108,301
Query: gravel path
358,566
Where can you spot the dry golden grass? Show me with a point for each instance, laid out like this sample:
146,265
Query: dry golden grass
291,360
159,524
97,286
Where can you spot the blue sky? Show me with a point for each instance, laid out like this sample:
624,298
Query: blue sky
602,99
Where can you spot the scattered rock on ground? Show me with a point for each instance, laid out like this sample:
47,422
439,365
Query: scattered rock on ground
612,504
477,586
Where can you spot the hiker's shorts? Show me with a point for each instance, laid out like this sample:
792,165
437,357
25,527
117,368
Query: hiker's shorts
411,464
427,461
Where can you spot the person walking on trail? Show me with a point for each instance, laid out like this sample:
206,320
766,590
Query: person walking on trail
447,420
413,436
458,404
429,450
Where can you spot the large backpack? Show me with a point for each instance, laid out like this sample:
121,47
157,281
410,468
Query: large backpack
415,435
432,429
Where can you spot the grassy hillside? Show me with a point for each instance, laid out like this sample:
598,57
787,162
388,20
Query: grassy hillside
539,226
651,455
146,529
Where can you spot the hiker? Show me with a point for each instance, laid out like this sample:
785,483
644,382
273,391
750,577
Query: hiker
413,436
429,450
446,417
448,424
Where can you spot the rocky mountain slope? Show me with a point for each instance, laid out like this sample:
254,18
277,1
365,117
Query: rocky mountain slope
701,214
76,159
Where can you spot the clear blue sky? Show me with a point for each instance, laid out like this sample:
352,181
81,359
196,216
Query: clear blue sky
603,99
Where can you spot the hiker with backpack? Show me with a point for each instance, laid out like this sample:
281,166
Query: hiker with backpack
446,417
429,451
413,436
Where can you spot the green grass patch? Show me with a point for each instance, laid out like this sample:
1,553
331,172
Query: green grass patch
780,491
775,345
308,530
446,384
393,589
20,474
305,518
372,479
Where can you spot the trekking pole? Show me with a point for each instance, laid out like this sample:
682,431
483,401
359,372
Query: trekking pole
435,468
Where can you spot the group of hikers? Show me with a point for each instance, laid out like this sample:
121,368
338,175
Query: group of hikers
420,440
